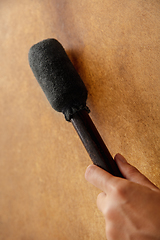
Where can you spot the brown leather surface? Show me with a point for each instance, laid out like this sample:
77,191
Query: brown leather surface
115,47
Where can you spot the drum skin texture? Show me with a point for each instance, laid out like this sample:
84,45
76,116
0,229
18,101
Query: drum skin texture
115,48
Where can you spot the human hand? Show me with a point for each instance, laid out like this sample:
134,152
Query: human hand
131,206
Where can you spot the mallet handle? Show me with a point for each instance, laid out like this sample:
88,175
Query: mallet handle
93,143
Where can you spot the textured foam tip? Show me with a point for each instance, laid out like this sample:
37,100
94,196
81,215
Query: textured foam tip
57,77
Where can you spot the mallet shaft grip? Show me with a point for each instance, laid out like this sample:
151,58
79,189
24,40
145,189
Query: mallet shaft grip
93,143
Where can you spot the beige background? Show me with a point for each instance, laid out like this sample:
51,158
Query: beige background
115,47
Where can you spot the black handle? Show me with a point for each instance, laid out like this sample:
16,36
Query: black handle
93,143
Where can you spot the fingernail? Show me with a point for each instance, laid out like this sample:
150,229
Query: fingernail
120,158
88,171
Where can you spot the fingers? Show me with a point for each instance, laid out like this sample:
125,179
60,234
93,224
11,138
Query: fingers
131,173
107,182
100,178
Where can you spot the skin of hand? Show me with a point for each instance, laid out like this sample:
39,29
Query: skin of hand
131,206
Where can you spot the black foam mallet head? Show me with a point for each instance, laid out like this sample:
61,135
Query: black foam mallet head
57,77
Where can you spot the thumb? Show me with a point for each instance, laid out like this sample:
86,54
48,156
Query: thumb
131,173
